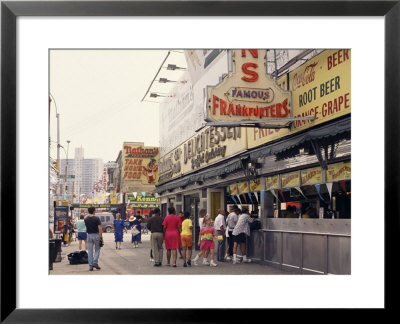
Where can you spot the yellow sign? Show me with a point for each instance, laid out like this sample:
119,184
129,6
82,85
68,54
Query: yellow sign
311,176
243,187
233,189
271,183
321,87
208,146
290,179
340,171
255,185
140,163
248,93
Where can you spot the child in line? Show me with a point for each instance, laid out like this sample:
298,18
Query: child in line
206,243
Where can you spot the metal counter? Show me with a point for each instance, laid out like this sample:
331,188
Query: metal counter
314,246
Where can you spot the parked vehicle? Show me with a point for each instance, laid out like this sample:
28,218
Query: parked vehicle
107,220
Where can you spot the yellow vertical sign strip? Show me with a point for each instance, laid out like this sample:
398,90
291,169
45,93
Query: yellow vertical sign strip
339,171
311,176
289,180
271,183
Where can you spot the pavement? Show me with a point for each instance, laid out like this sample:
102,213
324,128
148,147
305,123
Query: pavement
130,261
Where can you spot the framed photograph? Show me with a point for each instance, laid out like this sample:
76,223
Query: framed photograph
30,28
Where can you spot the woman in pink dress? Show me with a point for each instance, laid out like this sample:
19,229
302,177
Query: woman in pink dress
172,235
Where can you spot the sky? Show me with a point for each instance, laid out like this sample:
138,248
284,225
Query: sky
98,95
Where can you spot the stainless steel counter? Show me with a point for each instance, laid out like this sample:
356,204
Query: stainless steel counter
317,246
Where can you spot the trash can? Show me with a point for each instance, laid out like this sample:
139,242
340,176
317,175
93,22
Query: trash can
57,250
52,246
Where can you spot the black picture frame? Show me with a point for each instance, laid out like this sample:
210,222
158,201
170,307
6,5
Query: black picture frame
10,10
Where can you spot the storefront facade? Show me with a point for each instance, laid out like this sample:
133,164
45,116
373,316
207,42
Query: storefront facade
297,180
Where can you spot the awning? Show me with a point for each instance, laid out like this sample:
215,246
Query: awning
340,128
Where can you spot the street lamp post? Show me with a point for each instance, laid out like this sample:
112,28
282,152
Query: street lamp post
66,173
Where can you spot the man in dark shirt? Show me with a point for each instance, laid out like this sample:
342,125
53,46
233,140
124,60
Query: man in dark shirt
154,225
94,237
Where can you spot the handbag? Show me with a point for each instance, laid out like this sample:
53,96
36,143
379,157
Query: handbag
134,231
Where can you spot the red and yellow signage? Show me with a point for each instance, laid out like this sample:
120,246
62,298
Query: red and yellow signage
311,176
243,187
140,163
233,189
271,182
320,88
255,185
248,93
340,171
289,180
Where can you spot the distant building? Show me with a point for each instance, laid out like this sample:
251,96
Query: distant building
87,172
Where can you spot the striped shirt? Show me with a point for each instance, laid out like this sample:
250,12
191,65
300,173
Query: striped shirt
207,233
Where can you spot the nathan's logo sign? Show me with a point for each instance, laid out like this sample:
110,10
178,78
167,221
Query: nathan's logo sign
140,163
248,93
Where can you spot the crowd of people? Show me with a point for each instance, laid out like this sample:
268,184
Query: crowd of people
220,237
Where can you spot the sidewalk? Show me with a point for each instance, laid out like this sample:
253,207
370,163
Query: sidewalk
129,261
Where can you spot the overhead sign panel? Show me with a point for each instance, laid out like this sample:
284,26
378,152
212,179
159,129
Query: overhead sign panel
248,93
321,88
140,163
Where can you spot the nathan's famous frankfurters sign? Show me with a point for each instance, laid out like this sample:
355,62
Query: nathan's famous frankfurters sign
248,93
140,163
321,87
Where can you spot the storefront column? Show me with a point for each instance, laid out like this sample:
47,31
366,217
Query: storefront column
178,203
268,207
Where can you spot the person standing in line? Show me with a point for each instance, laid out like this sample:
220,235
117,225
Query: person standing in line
136,238
172,235
151,213
82,235
94,237
140,219
220,227
202,216
206,243
119,228
181,219
231,221
241,230
186,239
155,226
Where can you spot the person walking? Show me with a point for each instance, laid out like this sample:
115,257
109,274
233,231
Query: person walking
220,227
231,221
136,235
82,235
172,235
186,239
241,230
119,228
94,237
155,226
206,243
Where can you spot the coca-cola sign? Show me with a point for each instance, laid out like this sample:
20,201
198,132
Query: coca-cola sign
305,77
